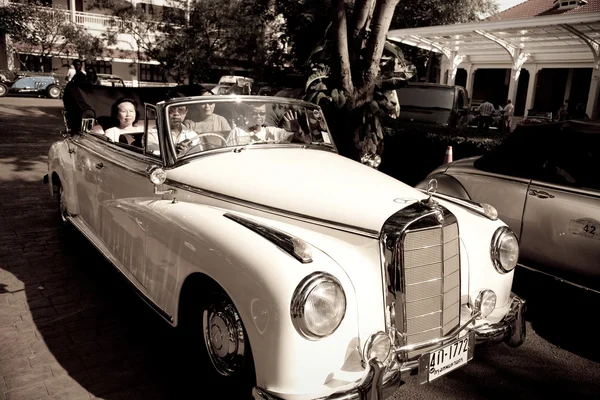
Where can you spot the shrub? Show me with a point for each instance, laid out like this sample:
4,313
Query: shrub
412,151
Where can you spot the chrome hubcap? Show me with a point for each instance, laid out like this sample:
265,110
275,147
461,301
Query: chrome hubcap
2,90
54,92
224,337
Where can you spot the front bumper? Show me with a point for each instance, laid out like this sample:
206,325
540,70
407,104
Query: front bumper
379,382
511,330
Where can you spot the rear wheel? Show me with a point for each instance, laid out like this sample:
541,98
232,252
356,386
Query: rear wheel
53,92
3,90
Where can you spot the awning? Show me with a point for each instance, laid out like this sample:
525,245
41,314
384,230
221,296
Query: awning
566,38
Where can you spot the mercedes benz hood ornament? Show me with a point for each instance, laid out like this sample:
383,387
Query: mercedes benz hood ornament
432,186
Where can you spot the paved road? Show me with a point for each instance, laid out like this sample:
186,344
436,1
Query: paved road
70,328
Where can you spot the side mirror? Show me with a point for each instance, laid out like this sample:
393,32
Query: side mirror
158,176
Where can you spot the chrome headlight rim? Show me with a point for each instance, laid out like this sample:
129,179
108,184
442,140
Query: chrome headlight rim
499,234
300,297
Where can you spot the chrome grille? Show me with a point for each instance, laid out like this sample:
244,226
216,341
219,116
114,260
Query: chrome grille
430,262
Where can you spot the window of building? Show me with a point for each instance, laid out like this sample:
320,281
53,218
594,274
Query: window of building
103,67
32,63
152,73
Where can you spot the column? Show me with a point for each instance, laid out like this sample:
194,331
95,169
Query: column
513,85
471,81
533,78
569,84
592,101
72,7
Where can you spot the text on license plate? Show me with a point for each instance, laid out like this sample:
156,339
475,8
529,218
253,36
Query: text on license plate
445,359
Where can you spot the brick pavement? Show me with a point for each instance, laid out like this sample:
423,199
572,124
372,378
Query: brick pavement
70,328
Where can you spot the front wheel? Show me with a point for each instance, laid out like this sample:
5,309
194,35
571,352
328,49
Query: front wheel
214,329
3,90
53,92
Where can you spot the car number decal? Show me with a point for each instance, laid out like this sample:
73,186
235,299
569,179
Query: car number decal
586,227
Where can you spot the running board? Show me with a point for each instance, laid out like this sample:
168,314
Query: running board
90,236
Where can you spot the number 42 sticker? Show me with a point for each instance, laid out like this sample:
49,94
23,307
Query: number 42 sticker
589,228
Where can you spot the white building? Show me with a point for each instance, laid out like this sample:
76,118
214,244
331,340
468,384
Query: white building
123,58
538,54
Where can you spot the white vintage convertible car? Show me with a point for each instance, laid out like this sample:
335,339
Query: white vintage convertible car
304,274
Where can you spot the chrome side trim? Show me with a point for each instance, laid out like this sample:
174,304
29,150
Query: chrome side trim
283,240
277,211
90,236
558,278
470,204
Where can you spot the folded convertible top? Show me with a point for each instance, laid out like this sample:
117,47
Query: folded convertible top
82,100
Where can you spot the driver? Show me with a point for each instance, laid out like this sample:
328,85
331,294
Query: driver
257,131
183,137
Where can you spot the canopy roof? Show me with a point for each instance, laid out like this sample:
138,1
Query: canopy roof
567,38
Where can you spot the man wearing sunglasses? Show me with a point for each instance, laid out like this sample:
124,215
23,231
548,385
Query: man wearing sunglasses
183,137
257,131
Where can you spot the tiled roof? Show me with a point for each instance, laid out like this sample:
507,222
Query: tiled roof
536,8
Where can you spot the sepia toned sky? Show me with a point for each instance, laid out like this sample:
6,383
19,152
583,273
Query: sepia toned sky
504,4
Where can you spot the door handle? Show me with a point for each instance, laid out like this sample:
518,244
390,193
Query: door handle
540,194
99,165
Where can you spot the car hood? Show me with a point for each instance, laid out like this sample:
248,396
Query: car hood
314,183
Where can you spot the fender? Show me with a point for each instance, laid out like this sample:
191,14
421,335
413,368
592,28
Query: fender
65,171
447,184
187,238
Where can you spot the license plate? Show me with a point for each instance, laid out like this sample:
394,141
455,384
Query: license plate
439,362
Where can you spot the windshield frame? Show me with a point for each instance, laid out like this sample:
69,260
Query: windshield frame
170,156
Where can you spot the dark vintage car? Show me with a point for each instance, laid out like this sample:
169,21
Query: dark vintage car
45,85
432,103
544,181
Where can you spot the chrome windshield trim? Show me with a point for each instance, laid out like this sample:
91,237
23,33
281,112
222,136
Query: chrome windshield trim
277,211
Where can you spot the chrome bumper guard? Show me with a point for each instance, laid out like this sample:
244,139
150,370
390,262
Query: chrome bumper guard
379,382
511,330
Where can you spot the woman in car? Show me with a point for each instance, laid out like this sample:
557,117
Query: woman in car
124,111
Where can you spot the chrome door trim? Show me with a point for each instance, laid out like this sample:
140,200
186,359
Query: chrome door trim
277,211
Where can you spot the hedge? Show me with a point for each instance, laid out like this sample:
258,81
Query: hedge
412,151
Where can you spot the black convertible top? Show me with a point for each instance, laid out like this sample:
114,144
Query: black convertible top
82,100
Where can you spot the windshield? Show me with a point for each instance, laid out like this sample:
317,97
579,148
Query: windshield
430,97
202,125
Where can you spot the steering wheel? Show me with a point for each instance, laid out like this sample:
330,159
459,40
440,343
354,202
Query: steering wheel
200,146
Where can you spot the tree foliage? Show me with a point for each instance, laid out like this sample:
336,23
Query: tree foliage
213,36
42,32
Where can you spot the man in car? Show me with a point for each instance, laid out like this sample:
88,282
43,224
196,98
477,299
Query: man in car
258,131
183,137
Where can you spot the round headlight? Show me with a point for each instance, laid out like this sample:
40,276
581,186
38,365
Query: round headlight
485,302
318,305
504,250
378,346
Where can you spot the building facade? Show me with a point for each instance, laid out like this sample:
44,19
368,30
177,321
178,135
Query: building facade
538,54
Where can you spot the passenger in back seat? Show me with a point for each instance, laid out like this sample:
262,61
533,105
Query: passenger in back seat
124,110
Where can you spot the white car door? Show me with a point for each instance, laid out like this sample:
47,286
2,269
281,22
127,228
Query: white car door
88,166
561,222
